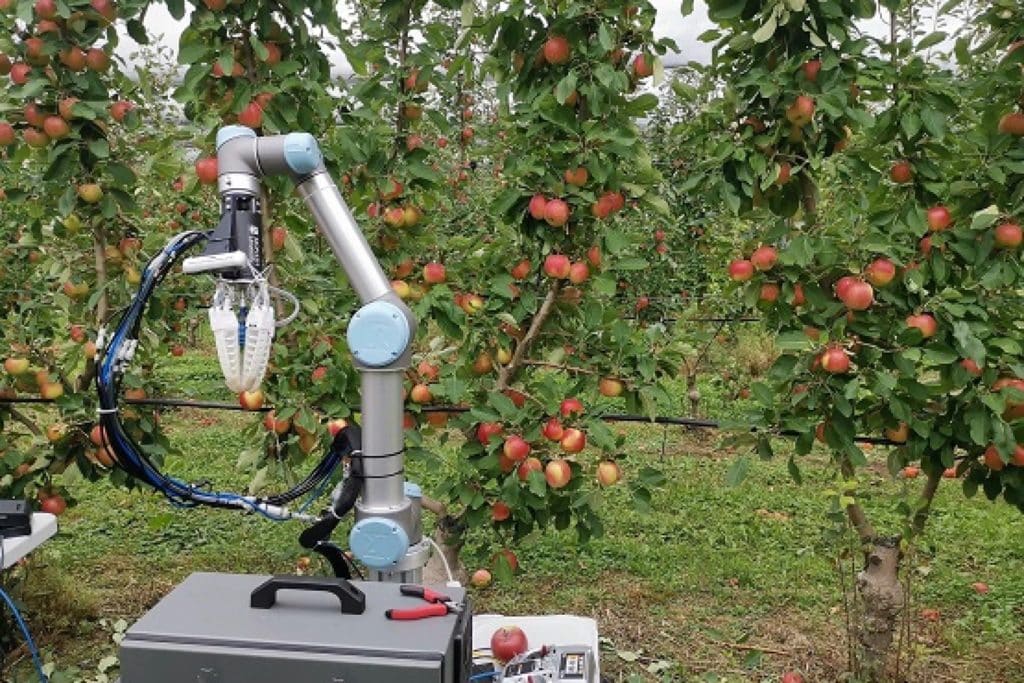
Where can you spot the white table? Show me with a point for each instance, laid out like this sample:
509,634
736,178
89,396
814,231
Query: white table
44,526
553,629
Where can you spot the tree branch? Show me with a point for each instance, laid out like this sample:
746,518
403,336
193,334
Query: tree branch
931,487
99,244
558,366
854,511
508,373
18,416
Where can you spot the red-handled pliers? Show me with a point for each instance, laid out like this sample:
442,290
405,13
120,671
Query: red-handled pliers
439,606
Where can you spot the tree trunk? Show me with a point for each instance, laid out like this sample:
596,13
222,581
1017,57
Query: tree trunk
882,602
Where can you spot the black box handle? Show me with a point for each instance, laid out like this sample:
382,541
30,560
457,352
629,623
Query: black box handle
353,601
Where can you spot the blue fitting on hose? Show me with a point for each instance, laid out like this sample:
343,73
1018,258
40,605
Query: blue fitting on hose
302,153
229,133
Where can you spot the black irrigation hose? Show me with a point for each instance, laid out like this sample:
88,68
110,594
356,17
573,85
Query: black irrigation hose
689,422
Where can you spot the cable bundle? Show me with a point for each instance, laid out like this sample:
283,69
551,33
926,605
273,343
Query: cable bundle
117,354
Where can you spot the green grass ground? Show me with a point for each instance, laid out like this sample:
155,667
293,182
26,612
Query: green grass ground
716,584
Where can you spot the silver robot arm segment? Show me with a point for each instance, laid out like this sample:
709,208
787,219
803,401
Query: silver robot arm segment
387,536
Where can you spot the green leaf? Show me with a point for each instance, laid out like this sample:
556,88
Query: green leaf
121,174
931,39
565,87
99,148
604,37
794,472
985,218
737,471
766,31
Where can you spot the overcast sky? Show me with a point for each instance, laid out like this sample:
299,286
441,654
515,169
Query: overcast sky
684,30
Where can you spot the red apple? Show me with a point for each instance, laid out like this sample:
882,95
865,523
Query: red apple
521,270
764,258
481,579
577,176
642,66
507,642
35,138
925,323
556,50
73,58
500,511
421,394
557,266
769,293
880,272
792,677
939,218
610,387
56,127
7,134
594,256
608,472
835,361
54,505
206,170
980,587
901,172
858,295
434,273
556,213
949,473
911,472
538,206
993,460
741,270
20,73
335,426
570,406
251,400
46,9
97,60
558,473
971,367
1008,236
810,69
898,434
801,111
578,273
516,448
251,116
487,430
573,440
1012,124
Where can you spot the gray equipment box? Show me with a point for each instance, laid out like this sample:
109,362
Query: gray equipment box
205,631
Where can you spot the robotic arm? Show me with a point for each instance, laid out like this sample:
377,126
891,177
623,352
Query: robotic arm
387,536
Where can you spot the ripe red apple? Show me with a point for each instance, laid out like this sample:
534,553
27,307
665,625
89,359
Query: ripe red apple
573,440
486,430
507,642
335,426
898,434
594,256
538,206
556,50
1018,456
531,464
105,8
481,579
578,273
764,258
16,366
1008,236
319,373
421,394
925,323
7,134
939,218
577,176
515,448
792,677
558,473
51,390
993,460
570,406
483,363
980,587
769,293
858,295
206,170
557,266
46,9
428,371
610,387
1012,124
642,66
20,73
835,361
911,472
799,299
35,138
971,367
556,213
97,60
901,172
608,472
880,272
54,505
801,111
251,400
949,473
552,429
521,270
56,127
251,116
73,58
434,273
810,69
500,511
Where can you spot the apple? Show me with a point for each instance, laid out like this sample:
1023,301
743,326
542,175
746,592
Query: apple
251,116
949,473
785,173
602,208
993,460
55,432
421,394
55,505
570,406
481,579
801,111
608,472
898,434
77,333
556,213
939,218
206,170
16,366
799,298
335,426
5,62
56,127
507,642
487,430
251,400
810,69
1018,456
835,361
911,472
552,429
20,73
930,614
34,116
769,293
515,448
577,176
741,270
46,9
1012,124
73,58
531,464
594,256
642,67
35,138
105,8
135,394
858,295
521,270
472,304
610,387
925,323
7,134
556,50
500,511
764,258
557,266
428,371
51,390
578,273
1008,236
573,440
483,363
98,435
319,373
901,172
642,302
880,272
97,60
558,473
272,424
503,356
980,587
792,677
467,134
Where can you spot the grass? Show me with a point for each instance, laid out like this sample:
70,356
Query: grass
715,584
